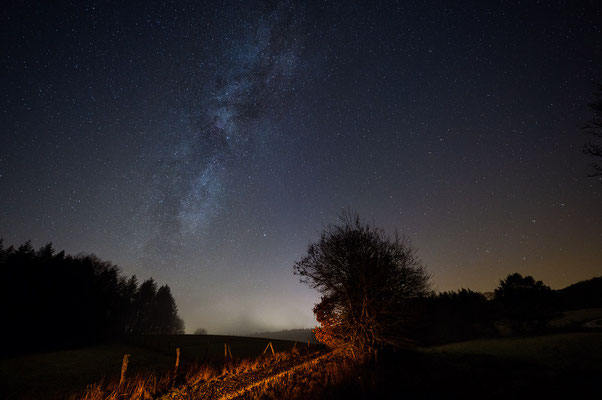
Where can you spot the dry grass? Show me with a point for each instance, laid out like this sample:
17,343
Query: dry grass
149,385
309,380
200,373
143,386
57,375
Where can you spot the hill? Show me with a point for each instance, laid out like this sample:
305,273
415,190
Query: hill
584,294
297,335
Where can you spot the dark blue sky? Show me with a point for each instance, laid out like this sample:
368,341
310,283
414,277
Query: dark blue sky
205,144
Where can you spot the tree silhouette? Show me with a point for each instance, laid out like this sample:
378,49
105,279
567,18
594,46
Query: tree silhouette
165,314
368,281
143,306
455,315
128,289
594,128
523,298
78,300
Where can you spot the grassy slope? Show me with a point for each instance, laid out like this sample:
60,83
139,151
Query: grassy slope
575,317
50,375
550,367
300,335
210,347
561,352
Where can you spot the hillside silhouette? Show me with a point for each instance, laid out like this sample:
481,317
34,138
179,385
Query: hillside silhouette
297,335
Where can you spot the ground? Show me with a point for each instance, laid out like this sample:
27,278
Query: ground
550,366
54,374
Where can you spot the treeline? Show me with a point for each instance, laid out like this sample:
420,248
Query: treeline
53,300
519,305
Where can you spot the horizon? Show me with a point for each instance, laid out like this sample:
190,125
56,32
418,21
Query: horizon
190,331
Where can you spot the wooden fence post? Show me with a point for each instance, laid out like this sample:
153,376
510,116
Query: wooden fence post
124,367
269,346
227,352
177,360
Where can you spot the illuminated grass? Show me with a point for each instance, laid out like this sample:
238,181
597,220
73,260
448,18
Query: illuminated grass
57,374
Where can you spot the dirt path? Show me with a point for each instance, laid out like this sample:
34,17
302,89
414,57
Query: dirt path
232,386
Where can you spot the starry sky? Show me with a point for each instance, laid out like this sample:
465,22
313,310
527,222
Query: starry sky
205,144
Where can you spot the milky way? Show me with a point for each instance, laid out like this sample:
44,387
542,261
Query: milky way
247,85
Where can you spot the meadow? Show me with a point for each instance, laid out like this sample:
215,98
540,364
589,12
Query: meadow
210,348
575,318
548,366
567,364
565,352
56,374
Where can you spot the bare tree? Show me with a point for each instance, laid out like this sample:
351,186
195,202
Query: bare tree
368,281
594,128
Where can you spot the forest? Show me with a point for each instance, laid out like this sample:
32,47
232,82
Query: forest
52,300
520,305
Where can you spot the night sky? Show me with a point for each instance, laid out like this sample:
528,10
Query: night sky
205,144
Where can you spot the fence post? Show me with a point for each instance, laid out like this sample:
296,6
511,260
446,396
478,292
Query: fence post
124,367
269,346
227,352
177,360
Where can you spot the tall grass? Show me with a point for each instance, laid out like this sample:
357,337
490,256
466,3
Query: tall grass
150,385
307,380
142,386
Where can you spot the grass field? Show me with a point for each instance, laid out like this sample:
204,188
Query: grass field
562,352
50,375
546,367
574,318
55,374
210,348
567,364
